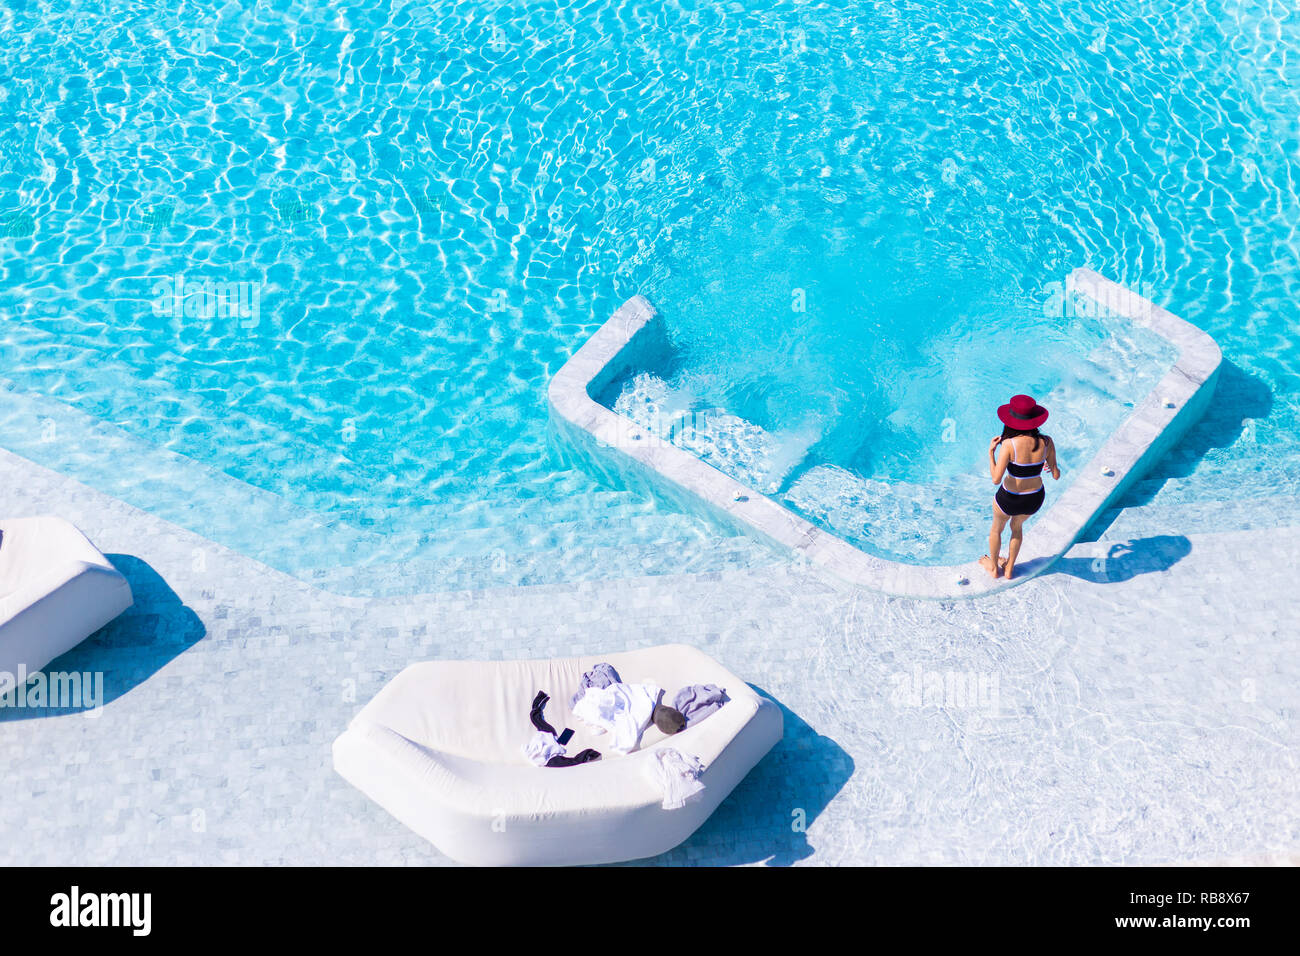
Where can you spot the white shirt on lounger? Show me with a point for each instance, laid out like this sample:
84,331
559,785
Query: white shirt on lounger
624,710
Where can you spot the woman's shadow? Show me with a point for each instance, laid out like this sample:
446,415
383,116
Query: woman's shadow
765,819
1127,559
129,649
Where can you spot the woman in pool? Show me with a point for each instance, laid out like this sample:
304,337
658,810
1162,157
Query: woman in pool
1016,462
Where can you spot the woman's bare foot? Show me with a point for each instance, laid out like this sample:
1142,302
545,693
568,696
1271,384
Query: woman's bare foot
987,564
1008,569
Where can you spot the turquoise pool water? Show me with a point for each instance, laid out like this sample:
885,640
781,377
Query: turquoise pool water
884,440
851,215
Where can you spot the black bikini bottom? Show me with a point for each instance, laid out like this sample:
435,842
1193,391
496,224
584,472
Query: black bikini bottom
1013,504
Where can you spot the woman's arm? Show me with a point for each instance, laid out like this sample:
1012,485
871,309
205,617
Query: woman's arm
998,461
1051,458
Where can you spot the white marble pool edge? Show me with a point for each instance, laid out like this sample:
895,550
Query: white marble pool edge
1155,424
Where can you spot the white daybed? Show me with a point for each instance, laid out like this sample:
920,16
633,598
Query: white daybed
56,589
440,748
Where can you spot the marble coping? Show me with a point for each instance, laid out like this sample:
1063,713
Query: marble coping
635,334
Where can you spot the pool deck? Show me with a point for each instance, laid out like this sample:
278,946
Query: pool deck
1136,703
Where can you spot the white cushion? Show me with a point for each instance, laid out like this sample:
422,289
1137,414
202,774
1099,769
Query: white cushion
56,589
440,747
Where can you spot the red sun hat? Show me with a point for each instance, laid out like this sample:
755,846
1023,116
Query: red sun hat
1022,412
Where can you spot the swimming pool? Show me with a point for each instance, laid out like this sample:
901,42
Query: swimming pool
405,217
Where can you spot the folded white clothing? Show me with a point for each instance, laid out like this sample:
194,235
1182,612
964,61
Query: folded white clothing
624,710
678,774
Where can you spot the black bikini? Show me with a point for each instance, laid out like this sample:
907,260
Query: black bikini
1014,503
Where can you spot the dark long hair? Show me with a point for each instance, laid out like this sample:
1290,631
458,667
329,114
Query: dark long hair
1009,432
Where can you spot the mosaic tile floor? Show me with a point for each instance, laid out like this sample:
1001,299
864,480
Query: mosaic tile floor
1136,705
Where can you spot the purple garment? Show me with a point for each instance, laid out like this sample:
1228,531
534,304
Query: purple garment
599,677
698,701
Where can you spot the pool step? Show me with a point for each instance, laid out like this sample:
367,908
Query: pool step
1194,517
479,540
663,529
1219,480
66,439
903,521
752,455
544,567
1220,495
495,511
456,506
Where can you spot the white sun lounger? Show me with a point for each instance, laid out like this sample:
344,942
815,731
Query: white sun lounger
440,748
56,589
